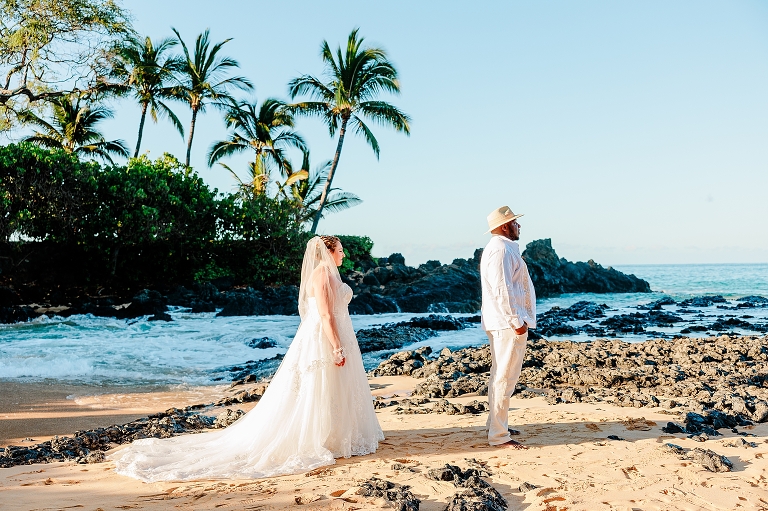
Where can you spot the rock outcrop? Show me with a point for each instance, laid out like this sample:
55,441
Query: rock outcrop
383,285
250,302
553,275
391,286
683,373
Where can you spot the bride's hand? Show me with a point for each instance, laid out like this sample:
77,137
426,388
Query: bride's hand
339,357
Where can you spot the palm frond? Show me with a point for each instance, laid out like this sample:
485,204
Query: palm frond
339,201
386,114
312,86
225,148
362,129
167,112
234,174
104,149
44,141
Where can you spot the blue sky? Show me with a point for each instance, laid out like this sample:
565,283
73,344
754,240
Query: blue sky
628,132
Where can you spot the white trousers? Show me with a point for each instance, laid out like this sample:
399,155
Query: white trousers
507,354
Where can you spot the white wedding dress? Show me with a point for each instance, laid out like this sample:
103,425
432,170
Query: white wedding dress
312,412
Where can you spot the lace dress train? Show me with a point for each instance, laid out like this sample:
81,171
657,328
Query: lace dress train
311,413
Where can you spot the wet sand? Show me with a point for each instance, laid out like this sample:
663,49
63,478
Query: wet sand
42,410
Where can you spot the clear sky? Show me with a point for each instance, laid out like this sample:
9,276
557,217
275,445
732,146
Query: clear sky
628,132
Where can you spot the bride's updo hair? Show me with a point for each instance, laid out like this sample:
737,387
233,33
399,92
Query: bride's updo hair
331,242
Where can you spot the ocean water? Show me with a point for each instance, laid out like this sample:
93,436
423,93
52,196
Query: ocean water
198,349
687,280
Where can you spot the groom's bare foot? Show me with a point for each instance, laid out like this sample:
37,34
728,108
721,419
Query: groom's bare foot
513,444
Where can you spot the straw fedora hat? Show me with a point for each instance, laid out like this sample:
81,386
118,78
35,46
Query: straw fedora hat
500,216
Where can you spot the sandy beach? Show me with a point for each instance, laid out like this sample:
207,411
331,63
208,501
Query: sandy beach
570,460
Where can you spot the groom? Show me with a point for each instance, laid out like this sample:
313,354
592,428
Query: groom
508,311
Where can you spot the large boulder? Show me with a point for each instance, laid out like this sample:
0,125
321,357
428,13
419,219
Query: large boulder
370,303
243,302
145,303
17,314
552,275
250,302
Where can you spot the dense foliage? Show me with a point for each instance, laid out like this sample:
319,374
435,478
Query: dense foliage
45,194
358,252
147,223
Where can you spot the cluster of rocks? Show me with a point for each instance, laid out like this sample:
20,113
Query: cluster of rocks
380,402
254,370
245,395
89,446
392,336
591,318
450,374
706,424
476,494
145,303
451,385
397,496
412,406
380,285
707,458
746,302
720,374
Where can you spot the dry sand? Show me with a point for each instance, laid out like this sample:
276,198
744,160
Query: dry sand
570,460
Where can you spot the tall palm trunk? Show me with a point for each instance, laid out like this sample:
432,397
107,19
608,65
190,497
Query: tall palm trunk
191,134
331,173
141,128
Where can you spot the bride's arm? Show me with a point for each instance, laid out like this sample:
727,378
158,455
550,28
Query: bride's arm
324,296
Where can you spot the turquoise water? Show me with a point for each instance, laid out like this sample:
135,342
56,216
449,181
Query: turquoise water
197,349
686,280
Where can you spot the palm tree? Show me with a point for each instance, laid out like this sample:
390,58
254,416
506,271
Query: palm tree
266,130
256,185
73,128
203,78
148,71
355,80
309,188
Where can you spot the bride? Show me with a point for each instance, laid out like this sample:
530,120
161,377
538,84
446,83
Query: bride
317,407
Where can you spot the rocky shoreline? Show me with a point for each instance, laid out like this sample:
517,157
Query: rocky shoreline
705,384
723,379
382,285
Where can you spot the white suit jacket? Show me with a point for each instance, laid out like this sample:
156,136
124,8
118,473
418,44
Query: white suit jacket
509,299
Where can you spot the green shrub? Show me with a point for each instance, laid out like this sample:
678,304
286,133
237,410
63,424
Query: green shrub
358,251
45,194
155,209
261,240
148,223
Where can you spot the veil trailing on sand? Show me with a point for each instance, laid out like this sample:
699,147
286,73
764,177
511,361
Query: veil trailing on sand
320,277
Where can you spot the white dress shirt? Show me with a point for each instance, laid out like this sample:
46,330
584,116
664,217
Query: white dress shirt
509,299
